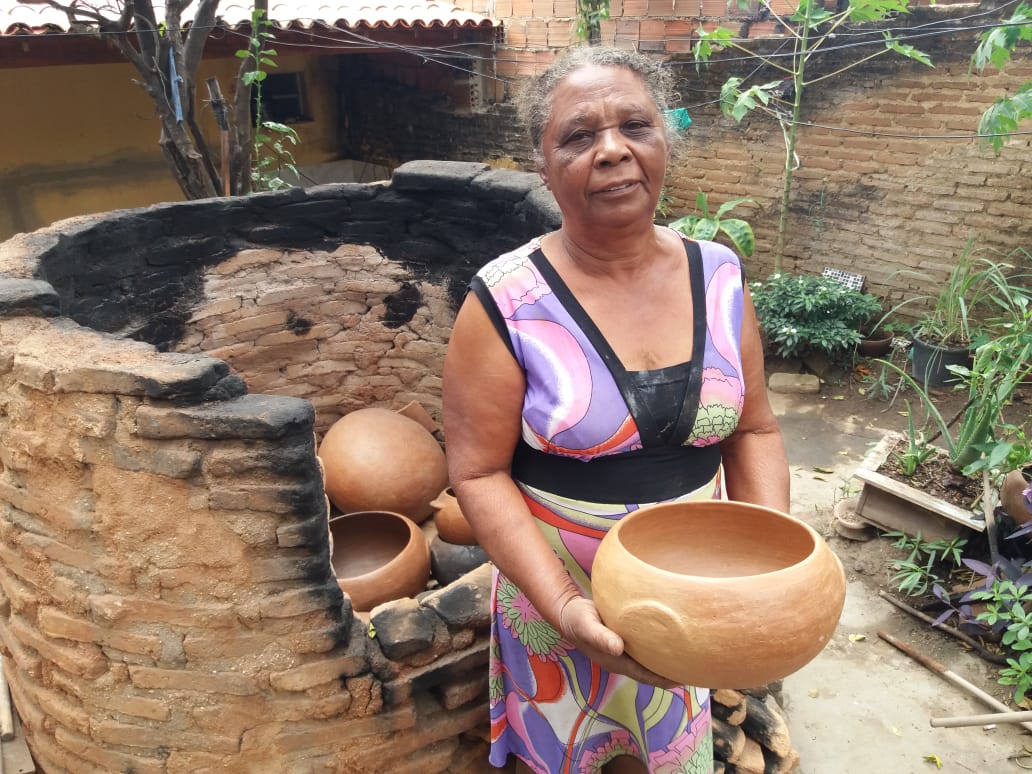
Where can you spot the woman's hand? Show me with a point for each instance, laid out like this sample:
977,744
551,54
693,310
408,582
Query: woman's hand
581,625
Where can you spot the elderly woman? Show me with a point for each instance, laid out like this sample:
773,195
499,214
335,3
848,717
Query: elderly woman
607,365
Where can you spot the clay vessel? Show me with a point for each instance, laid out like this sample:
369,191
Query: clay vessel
378,556
718,594
376,459
451,524
1012,498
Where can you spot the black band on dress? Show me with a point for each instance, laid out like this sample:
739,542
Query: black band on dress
641,476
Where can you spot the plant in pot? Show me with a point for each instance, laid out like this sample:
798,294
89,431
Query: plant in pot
985,446
802,313
945,336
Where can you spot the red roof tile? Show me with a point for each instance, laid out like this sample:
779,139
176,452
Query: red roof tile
39,18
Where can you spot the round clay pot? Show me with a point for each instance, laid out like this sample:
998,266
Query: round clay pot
718,594
451,524
1011,497
377,459
378,556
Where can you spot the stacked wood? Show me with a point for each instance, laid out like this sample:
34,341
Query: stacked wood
750,732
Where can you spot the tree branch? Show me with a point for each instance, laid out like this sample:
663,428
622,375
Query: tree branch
203,22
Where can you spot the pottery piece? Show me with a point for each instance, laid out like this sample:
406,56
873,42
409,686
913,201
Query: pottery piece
718,594
377,459
449,562
875,347
1012,496
378,556
451,524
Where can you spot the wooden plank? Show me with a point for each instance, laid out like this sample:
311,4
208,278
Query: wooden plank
890,513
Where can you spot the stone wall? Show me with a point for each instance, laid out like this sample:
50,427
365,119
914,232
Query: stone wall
166,598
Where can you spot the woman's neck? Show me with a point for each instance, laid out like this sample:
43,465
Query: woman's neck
600,255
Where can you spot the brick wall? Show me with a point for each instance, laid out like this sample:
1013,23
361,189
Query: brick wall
870,196
166,598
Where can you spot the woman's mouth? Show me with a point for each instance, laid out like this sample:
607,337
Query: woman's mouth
619,187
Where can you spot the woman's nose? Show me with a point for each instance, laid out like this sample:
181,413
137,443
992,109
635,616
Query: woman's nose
612,147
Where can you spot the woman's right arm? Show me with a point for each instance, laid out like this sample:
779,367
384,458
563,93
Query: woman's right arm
483,403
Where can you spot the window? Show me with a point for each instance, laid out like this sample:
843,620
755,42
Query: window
283,98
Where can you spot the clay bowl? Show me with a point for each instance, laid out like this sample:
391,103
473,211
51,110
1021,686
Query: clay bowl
718,594
450,522
377,459
378,556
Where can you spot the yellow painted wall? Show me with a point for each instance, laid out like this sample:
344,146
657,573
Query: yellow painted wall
81,139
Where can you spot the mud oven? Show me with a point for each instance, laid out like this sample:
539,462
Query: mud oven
166,599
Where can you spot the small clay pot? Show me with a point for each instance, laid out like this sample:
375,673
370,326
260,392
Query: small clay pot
718,594
378,556
1012,498
377,459
877,345
451,524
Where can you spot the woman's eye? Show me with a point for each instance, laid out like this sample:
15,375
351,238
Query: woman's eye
578,137
636,126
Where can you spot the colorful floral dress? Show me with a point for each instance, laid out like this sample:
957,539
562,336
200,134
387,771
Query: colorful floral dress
597,443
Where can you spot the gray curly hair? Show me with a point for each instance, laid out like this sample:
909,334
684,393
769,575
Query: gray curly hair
534,102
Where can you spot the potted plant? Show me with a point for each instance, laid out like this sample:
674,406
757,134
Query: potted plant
945,336
804,313
984,445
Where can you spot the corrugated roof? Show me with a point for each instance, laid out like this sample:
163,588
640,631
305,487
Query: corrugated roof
38,18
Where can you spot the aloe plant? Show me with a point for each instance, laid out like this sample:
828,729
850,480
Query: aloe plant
706,226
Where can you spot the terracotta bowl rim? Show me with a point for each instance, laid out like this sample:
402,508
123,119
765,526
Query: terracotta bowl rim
722,580
413,528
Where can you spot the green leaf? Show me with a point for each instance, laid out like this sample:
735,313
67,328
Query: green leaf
702,204
726,207
741,235
686,225
706,228
242,53
908,51
1004,116
875,10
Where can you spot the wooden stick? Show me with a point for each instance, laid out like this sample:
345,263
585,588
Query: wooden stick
970,641
6,715
981,720
951,677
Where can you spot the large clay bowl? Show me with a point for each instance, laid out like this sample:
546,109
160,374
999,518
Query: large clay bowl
377,459
378,556
718,594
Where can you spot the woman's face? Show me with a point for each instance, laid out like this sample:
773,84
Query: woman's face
604,147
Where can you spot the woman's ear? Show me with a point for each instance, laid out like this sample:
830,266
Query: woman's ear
543,174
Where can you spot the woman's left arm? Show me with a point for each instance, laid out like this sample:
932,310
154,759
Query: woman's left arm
755,463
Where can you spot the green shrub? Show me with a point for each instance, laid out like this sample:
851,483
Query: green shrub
803,313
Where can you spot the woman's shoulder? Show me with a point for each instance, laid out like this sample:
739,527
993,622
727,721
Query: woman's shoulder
506,263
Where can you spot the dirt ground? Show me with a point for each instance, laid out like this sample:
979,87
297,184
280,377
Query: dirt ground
862,706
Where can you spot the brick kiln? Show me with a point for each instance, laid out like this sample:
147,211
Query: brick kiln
166,598
167,601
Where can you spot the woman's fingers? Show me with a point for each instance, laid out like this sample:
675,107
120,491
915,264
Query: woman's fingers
583,627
